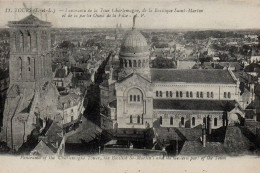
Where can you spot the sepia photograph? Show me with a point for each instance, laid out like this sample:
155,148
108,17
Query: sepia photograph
134,85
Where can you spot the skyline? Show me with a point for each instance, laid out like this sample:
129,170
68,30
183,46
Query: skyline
217,15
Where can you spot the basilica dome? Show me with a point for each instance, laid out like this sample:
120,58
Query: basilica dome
134,43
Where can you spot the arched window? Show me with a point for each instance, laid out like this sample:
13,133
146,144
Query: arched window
193,121
130,63
167,94
212,95
157,94
229,95
177,93
125,63
21,39
198,94
138,98
134,98
135,63
201,94
131,119
20,61
180,93
29,63
29,40
160,120
171,121
160,93
182,121
138,119
131,98
187,94
139,63
170,93
191,94
208,94
215,121
225,95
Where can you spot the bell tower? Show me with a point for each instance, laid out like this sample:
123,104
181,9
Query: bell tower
30,43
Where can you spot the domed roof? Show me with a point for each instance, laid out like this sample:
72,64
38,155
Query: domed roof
134,42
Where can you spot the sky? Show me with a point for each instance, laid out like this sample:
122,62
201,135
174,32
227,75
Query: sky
213,14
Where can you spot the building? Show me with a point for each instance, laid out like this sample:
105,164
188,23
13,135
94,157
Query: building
62,77
71,107
141,97
31,97
51,142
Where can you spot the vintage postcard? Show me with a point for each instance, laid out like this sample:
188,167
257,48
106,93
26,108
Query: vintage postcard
131,86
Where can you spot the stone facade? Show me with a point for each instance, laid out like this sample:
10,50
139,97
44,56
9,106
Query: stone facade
31,96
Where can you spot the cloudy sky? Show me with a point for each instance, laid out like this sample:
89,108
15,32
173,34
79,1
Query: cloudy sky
216,14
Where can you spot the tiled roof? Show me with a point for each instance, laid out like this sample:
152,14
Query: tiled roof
196,148
192,76
204,105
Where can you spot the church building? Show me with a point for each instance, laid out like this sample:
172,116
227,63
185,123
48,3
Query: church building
136,96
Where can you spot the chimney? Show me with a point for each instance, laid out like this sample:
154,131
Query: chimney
204,135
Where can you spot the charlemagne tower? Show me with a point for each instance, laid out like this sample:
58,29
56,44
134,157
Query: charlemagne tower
30,78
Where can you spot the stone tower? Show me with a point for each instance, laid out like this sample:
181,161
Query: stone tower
31,94
30,42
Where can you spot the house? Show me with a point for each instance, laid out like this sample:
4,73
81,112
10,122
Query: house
71,107
51,142
62,77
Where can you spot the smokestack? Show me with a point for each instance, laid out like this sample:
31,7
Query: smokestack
204,135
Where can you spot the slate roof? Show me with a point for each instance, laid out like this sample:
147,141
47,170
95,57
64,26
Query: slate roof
212,76
30,20
196,148
68,100
54,135
42,149
239,140
181,134
253,67
204,105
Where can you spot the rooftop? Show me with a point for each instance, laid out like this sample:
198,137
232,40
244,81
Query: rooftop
30,20
196,148
239,140
204,105
212,76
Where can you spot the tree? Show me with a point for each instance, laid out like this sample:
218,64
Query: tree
161,62
155,39
66,45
